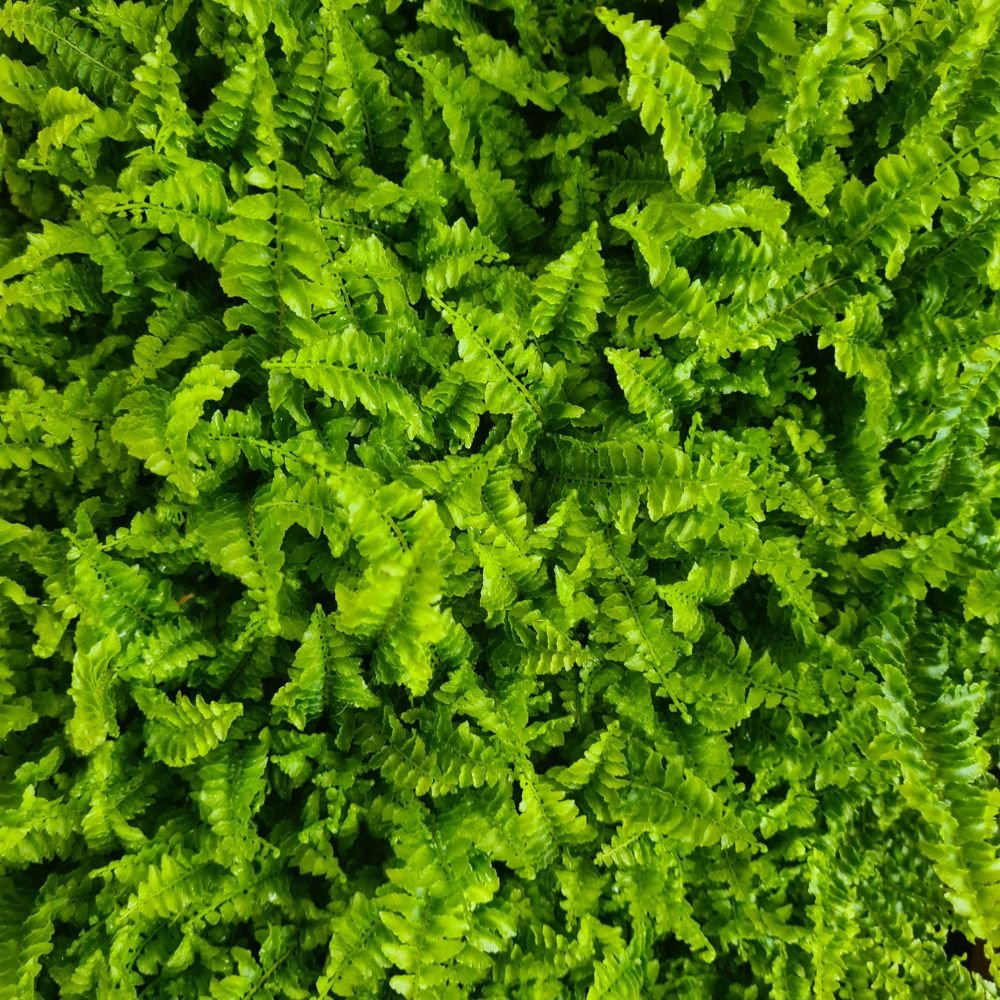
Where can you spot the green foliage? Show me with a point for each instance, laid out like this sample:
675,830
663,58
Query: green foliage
498,499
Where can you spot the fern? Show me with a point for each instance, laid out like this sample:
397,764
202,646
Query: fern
618,475
667,96
454,252
98,64
190,200
498,498
570,294
931,736
156,426
183,730
394,610
355,369
324,675
230,114
232,786
276,259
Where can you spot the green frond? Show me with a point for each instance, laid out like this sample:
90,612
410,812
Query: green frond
230,791
931,735
355,368
704,38
156,426
667,96
22,85
243,537
617,476
356,960
395,610
268,975
116,790
159,108
949,456
27,933
324,674
667,800
177,331
621,975
307,104
182,730
190,201
910,186
569,295
76,54
231,113
453,253
512,73
496,358
369,114
457,758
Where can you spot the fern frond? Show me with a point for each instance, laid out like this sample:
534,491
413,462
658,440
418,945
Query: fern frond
325,673
355,368
616,476
395,609
77,54
931,735
667,96
672,801
156,425
570,295
182,730
191,201
232,783
356,957
159,107
452,253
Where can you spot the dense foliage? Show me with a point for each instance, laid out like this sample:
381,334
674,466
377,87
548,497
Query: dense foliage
498,499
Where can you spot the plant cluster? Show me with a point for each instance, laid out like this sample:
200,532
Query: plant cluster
498,499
